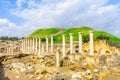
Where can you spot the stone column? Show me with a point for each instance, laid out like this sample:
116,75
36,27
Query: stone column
12,49
24,45
9,50
80,42
57,59
51,44
39,46
91,43
28,46
36,45
43,49
33,44
21,45
71,43
46,44
63,45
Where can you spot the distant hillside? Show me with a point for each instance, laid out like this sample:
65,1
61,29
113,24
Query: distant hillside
57,32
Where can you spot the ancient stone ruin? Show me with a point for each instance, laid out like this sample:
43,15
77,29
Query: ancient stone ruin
94,60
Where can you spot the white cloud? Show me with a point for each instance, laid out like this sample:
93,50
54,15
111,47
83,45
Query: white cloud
8,28
68,13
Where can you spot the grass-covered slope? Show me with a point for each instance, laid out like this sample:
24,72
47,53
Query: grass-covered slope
85,32
42,33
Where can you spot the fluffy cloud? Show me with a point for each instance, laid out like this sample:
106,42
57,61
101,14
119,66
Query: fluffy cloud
68,13
8,28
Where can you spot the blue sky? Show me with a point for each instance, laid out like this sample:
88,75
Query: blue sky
21,17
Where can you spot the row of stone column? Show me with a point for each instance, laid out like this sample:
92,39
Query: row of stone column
91,44
10,50
35,45
80,43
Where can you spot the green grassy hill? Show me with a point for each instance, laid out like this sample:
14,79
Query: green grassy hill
41,33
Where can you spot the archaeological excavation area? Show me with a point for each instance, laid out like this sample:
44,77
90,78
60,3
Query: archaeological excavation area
33,59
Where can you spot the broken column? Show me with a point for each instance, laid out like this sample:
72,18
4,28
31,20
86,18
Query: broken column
51,44
80,42
46,44
57,59
63,46
71,43
91,43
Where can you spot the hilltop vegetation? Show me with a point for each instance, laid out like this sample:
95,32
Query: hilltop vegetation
98,35
42,33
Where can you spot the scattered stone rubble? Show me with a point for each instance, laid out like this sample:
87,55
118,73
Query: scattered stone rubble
44,68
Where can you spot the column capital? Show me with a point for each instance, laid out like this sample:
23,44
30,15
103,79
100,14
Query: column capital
70,34
91,31
51,35
80,32
46,36
63,34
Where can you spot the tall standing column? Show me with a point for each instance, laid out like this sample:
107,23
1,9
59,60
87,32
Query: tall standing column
71,43
39,46
33,43
80,42
12,48
24,45
43,48
63,46
46,44
7,50
91,43
36,45
51,44
28,46
21,46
